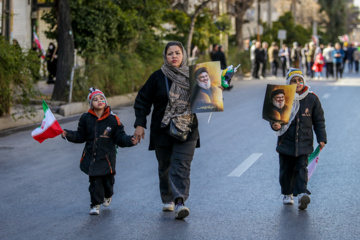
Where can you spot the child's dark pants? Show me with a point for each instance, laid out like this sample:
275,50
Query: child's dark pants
293,174
101,187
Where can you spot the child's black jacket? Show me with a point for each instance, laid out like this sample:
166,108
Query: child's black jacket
101,136
298,139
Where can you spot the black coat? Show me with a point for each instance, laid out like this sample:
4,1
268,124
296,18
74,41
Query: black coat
101,136
154,94
298,139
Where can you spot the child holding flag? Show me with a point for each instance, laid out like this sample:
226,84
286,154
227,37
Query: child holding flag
295,140
101,130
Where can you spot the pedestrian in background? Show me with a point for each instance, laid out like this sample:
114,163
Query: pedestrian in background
350,57
167,95
356,57
252,57
296,55
284,54
295,140
51,61
264,53
345,58
271,57
338,58
214,51
310,58
101,131
220,56
258,59
318,65
304,52
328,57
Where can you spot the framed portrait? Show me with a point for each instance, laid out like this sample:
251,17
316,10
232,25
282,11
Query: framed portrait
205,92
278,103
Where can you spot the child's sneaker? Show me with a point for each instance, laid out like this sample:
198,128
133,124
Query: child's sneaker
106,202
181,211
168,207
95,210
288,200
303,200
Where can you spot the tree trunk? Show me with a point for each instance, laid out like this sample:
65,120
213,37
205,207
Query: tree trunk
192,25
65,52
240,8
191,33
239,34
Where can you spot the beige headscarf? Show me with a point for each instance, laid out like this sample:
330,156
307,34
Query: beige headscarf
178,108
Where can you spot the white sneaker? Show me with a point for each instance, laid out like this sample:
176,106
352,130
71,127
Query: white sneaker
95,210
181,211
106,202
303,200
168,207
288,200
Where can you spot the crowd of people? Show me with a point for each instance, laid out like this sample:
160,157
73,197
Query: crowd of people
315,60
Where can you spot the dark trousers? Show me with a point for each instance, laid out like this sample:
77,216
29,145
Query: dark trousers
293,175
284,68
274,67
256,70
356,63
329,69
350,64
174,170
101,187
310,71
338,69
263,69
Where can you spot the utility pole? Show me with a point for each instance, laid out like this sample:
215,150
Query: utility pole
293,9
269,20
258,20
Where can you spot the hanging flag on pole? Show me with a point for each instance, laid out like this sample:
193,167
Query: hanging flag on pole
49,128
37,41
313,160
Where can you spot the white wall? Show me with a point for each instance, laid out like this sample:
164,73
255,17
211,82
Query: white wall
21,22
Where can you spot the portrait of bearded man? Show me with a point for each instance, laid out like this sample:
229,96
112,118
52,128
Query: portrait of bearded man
277,107
204,95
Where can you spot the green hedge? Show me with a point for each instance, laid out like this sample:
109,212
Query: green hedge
19,71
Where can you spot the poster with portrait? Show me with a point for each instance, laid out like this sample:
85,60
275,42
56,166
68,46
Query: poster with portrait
205,92
278,103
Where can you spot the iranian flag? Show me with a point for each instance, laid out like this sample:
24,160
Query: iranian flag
49,128
37,41
313,160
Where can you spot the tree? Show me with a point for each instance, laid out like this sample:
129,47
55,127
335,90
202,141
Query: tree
241,6
336,11
184,6
65,50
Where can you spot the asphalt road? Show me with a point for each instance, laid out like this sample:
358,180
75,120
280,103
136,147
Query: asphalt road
44,195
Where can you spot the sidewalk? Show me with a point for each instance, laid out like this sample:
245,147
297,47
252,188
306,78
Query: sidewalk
60,112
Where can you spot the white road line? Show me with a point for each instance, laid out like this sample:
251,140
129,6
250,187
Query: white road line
327,95
245,165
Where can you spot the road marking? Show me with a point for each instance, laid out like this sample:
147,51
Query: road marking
327,95
245,165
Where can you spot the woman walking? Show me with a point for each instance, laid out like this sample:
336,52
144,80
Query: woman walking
168,91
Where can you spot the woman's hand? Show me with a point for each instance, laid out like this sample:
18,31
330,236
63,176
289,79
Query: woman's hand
63,134
276,126
322,145
139,133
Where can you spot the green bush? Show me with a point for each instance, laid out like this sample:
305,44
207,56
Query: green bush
114,74
16,78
